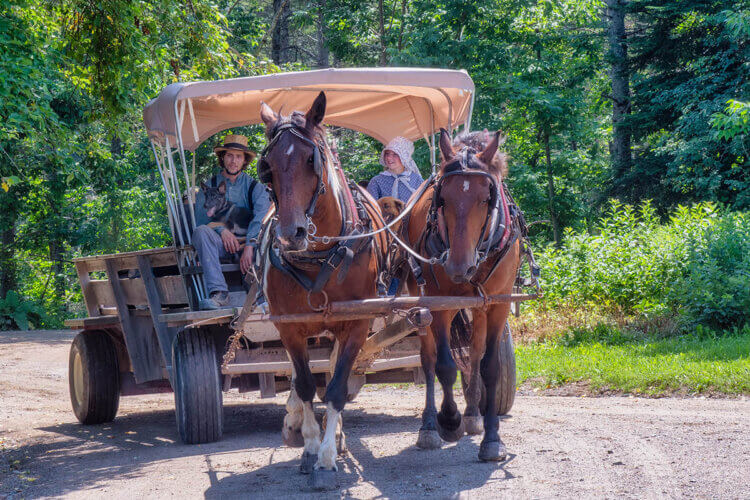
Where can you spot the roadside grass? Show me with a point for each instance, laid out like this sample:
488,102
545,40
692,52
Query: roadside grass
607,358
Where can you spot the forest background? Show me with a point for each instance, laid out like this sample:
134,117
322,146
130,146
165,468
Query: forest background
627,122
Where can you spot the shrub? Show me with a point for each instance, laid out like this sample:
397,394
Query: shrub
715,289
16,312
696,264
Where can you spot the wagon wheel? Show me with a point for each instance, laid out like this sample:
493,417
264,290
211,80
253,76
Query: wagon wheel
94,377
197,393
505,392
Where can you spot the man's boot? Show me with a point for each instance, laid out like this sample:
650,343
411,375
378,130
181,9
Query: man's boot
217,300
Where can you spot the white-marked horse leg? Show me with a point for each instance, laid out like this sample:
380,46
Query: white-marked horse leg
311,433
291,433
328,449
340,436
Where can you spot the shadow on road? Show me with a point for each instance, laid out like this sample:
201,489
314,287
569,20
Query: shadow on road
84,456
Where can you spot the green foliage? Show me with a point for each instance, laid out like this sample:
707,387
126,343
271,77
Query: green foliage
15,312
607,359
689,60
696,265
714,289
77,177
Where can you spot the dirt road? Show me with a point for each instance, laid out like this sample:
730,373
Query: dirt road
560,447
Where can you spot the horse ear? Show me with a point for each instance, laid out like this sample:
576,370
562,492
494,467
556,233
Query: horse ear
223,187
317,112
267,115
445,145
204,186
488,155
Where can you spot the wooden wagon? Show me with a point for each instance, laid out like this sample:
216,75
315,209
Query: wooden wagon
144,333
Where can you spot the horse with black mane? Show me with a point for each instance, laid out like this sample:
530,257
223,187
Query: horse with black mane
303,270
466,230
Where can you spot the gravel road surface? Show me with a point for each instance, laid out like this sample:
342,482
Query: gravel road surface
559,446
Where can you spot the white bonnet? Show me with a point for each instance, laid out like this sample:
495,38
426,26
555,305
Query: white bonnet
403,148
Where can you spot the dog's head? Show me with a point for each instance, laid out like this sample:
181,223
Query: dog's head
216,199
390,207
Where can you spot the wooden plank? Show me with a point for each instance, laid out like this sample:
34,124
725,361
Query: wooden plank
139,339
225,268
95,321
194,316
159,257
164,334
171,291
89,295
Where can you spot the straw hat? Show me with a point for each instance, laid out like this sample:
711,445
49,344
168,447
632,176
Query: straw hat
237,142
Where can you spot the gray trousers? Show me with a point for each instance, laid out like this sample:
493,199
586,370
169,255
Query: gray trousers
210,249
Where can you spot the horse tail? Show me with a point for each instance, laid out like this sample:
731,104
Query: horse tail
461,330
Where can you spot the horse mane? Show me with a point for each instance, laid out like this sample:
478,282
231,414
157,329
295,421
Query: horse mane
477,141
318,135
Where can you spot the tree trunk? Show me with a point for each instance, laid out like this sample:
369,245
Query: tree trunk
551,192
383,53
280,37
321,36
618,56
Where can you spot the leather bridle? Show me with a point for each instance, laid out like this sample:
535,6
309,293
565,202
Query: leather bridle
493,222
264,168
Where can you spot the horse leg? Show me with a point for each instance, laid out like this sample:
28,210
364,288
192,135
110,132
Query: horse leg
429,439
304,388
291,432
351,336
492,447
449,422
473,393
340,436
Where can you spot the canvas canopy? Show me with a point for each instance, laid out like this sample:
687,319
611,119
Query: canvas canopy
380,102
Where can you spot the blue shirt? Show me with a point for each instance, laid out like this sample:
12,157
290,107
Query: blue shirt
237,193
382,185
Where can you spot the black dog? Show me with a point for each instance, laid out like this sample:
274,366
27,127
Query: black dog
221,211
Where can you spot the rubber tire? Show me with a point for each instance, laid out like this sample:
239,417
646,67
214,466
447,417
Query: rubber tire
197,392
97,399
505,392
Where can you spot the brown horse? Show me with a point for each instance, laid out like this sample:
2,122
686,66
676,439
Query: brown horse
462,219
302,273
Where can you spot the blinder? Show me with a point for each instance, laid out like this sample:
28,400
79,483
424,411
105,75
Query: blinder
264,168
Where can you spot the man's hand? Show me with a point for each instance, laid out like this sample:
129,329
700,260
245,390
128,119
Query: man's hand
246,261
231,244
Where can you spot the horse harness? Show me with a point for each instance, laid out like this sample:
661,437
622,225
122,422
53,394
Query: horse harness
503,225
341,255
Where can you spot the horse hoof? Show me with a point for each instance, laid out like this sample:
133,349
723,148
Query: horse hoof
323,480
454,434
492,451
293,438
429,440
474,425
308,462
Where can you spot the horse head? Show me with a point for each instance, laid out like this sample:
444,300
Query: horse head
466,201
293,165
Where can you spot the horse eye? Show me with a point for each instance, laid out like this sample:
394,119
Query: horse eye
311,160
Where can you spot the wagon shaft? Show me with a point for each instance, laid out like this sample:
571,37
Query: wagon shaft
368,308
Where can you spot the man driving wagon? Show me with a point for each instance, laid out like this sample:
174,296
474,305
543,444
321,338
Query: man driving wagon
232,198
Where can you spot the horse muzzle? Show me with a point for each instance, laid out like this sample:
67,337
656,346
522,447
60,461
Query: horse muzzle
459,273
292,238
